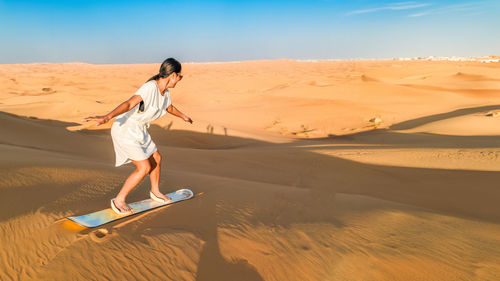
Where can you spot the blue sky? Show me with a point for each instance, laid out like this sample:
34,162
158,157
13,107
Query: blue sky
203,31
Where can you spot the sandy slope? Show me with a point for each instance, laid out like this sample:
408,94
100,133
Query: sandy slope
292,182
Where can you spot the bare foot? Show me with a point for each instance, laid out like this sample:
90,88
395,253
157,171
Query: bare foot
161,195
122,206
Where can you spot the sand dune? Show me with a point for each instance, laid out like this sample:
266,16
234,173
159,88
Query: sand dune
292,179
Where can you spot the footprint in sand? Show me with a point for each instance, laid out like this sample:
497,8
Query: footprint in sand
319,83
493,114
101,235
365,78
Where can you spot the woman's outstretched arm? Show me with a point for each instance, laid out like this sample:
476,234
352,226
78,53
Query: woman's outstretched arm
123,107
174,111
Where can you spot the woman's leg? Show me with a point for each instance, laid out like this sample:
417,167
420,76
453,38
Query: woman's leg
143,167
154,175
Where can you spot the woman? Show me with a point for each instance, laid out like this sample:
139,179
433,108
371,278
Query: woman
131,139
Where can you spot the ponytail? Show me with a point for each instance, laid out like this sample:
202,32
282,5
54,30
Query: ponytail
168,67
154,77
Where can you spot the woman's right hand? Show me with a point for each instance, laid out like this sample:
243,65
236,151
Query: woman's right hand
99,119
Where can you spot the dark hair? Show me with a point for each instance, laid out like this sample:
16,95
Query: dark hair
168,67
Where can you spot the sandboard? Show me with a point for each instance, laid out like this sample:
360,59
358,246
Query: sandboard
108,215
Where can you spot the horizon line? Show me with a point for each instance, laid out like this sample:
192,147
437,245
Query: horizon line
255,60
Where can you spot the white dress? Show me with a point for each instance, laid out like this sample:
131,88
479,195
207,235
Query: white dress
131,139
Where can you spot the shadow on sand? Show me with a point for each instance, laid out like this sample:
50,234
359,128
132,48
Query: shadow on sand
472,194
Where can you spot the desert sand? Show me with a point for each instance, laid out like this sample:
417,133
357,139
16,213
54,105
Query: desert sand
328,170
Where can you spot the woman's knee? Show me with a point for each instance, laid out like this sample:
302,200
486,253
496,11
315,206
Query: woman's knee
157,156
144,167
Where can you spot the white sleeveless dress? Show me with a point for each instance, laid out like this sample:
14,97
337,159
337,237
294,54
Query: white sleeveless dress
131,139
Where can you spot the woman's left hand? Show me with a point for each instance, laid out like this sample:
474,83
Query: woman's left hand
99,119
187,119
